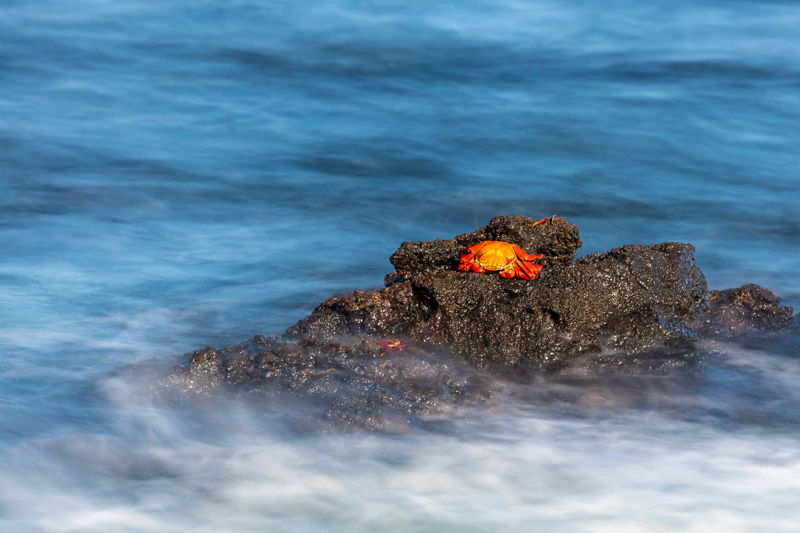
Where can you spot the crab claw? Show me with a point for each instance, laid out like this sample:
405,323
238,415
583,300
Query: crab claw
476,267
532,257
467,255
509,272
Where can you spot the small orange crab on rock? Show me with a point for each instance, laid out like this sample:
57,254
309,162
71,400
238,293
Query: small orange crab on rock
388,345
509,259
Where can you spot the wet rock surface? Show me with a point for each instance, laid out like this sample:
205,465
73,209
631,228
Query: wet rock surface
750,309
635,310
351,381
556,239
634,297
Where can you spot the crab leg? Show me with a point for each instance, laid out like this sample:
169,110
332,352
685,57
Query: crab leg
472,250
543,220
522,254
468,254
466,262
520,271
526,261
508,272
535,269
530,268
520,266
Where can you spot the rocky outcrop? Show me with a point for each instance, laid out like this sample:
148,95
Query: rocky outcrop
556,239
633,310
634,297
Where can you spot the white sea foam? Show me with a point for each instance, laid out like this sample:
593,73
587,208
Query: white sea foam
510,467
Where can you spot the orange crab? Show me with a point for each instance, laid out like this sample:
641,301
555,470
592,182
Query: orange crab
391,346
509,259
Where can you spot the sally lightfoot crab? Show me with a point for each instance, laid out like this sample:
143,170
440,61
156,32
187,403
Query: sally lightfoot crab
388,345
509,259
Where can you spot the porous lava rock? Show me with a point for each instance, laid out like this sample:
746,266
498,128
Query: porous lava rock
633,310
632,298
748,310
556,239
351,381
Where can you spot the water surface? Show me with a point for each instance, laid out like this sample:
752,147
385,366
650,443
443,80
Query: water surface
183,174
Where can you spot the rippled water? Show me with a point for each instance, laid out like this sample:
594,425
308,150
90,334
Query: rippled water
183,174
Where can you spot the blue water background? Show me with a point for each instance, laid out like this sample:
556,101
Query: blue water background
182,174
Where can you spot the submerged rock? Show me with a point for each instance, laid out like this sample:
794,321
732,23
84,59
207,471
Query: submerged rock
350,380
633,310
750,309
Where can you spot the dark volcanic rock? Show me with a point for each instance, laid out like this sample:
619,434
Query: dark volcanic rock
634,297
353,384
630,311
746,310
556,239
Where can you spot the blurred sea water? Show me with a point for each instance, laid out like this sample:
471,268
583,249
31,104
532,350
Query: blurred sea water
176,175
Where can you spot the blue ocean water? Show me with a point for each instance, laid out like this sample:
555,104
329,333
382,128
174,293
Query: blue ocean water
176,175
